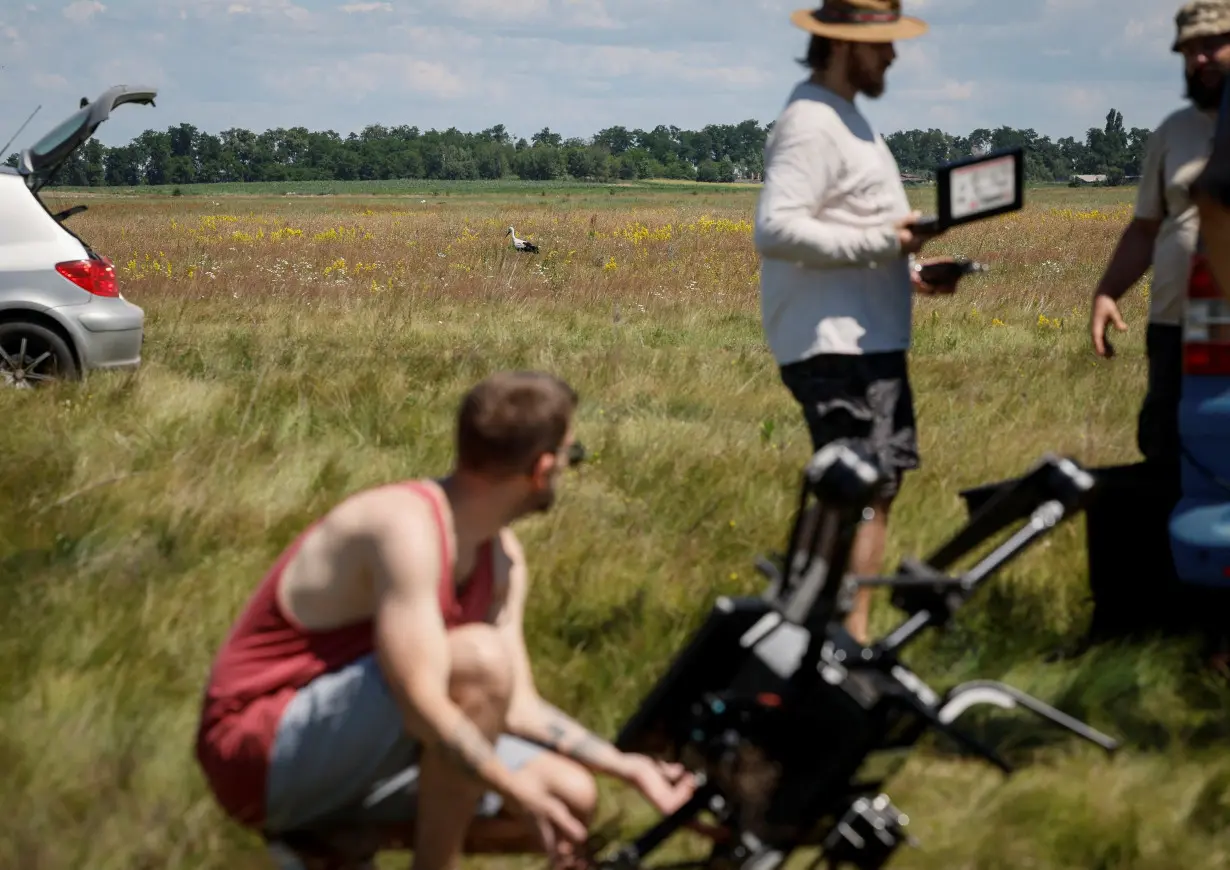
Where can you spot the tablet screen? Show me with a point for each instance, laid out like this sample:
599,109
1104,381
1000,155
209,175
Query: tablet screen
982,187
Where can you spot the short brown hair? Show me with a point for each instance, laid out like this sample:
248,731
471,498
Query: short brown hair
509,419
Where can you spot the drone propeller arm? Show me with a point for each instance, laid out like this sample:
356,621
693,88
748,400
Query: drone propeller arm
1051,479
967,695
931,597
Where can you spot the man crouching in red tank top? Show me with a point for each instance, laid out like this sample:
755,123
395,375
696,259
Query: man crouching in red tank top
382,658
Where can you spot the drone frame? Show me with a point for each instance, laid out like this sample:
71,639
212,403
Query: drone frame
793,635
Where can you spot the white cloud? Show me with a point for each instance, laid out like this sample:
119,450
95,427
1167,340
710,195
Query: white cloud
421,39
372,74
1144,28
81,11
650,65
492,11
273,10
50,81
367,7
589,13
1083,99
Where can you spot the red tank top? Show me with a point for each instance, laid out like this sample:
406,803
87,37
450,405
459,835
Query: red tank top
267,658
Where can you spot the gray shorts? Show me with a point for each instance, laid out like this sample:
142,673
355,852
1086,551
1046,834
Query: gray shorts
342,755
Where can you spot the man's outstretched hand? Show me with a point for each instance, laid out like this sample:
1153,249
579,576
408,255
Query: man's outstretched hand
666,786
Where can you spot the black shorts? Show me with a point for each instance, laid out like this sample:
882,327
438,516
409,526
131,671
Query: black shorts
1157,428
862,399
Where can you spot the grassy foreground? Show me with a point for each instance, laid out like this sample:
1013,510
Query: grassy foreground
299,349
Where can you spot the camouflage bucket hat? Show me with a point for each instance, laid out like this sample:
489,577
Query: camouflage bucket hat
1201,18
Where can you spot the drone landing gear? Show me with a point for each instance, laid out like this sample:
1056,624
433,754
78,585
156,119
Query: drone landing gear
962,698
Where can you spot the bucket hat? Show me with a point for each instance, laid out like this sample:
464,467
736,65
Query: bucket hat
1199,18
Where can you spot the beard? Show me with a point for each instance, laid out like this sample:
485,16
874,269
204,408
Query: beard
866,81
1203,94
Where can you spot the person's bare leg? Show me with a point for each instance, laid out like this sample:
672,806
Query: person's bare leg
867,559
481,684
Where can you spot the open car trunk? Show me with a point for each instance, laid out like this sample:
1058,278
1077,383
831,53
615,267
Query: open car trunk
40,162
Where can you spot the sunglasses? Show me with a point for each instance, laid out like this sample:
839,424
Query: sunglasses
577,453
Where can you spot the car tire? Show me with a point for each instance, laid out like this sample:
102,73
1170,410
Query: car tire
32,355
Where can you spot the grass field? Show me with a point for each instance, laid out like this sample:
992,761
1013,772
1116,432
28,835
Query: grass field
300,348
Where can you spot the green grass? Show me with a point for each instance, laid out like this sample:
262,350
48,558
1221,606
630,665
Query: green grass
506,189
147,506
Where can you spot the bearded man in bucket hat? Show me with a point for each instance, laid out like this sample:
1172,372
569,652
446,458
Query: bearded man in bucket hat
833,232
1165,227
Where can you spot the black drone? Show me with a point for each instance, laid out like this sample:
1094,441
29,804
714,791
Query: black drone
777,709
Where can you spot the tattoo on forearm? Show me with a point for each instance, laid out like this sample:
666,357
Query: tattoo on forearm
590,748
568,737
556,734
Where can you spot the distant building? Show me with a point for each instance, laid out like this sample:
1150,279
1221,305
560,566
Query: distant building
1090,179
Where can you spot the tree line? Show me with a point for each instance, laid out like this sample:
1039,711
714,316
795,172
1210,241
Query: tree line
183,154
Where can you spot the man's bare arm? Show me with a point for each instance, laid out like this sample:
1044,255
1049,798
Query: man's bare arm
529,715
1131,260
411,640
1134,254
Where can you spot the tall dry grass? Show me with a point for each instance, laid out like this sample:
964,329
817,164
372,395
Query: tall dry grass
301,348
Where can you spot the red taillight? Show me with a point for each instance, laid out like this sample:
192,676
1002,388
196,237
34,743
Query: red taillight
94,276
1205,358
1200,283
1206,331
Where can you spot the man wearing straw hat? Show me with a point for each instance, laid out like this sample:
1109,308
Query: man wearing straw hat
833,231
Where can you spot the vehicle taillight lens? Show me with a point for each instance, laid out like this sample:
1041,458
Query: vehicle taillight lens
1206,331
95,276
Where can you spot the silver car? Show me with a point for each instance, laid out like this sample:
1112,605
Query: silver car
61,310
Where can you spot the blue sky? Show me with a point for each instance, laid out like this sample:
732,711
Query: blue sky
575,66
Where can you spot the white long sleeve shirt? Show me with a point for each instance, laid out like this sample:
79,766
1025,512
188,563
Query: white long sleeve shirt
833,278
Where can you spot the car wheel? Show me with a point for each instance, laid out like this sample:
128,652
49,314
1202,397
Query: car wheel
32,355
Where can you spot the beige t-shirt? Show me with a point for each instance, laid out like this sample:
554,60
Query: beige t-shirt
1174,156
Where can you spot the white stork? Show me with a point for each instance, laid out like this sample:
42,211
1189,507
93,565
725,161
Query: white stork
521,244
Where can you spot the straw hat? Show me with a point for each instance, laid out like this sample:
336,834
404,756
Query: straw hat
1200,18
859,21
